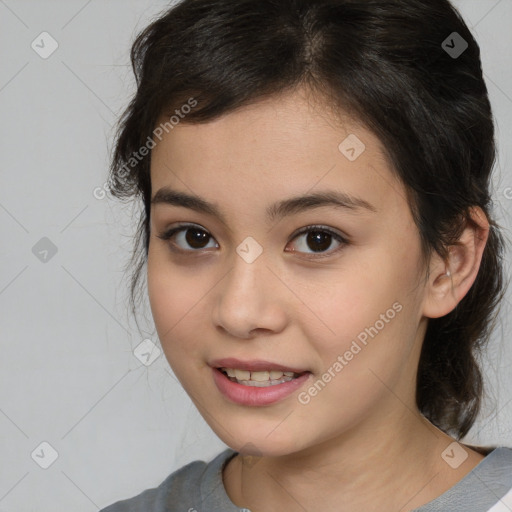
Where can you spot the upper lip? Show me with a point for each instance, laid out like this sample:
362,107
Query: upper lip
254,365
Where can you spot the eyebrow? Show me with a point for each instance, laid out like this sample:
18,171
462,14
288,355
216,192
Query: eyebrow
286,207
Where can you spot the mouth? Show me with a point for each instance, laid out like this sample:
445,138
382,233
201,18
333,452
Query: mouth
256,382
259,379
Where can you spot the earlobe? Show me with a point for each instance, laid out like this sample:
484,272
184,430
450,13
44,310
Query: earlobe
451,279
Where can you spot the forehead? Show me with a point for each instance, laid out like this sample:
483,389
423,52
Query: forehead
286,145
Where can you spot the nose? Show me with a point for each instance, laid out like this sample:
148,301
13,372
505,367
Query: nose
250,300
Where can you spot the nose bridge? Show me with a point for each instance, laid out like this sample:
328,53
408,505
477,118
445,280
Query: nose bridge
244,280
248,299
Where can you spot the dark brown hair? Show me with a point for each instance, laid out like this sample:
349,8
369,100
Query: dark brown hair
393,65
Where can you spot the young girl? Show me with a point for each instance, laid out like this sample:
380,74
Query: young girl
322,262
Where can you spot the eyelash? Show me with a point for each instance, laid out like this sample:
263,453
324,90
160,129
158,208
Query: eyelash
167,235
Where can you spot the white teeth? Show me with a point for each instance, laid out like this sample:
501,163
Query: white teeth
242,375
259,376
259,379
265,384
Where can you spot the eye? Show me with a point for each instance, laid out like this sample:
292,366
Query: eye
193,238
190,234
319,239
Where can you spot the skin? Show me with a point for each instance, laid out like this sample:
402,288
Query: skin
360,443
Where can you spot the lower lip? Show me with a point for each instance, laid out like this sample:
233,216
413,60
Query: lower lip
251,395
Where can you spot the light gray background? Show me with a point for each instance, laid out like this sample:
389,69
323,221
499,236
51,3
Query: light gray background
68,375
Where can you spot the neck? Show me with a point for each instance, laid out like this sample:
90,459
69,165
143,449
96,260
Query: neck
396,467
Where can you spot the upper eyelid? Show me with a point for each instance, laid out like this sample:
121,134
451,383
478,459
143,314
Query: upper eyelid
299,231
319,227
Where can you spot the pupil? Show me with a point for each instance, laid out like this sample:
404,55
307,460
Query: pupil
196,239
319,240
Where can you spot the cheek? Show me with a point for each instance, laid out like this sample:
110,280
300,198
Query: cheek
162,294
174,301
363,314
346,300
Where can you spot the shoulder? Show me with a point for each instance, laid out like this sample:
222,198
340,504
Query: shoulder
496,466
180,488
490,483
499,467
488,486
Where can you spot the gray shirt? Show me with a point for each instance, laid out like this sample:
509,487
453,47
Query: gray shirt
198,487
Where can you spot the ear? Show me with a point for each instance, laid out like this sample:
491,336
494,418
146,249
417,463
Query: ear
451,279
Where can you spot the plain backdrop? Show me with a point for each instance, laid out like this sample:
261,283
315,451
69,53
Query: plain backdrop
110,425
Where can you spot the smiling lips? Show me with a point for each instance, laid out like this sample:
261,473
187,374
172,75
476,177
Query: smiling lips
256,382
256,373
258,379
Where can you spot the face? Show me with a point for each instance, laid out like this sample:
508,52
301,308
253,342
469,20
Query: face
328,290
